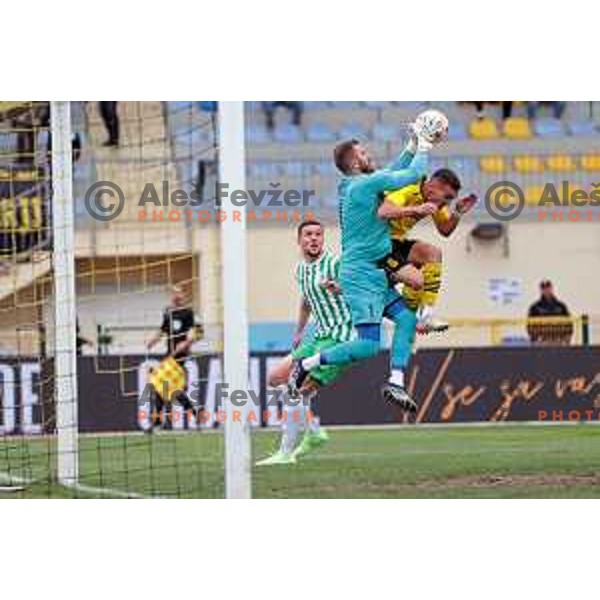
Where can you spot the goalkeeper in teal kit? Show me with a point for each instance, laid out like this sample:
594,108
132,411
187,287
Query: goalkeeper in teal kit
366,243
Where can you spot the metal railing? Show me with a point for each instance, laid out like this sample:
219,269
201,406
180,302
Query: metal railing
580,330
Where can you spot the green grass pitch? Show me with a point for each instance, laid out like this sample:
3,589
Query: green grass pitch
413,462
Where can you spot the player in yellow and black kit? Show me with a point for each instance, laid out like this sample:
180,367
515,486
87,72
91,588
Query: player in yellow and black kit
416,264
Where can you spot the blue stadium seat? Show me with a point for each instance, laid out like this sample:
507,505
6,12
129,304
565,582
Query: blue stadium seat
252,105
344,104
320,132
264,170
257,134
463,166
351,130
548,127
457,130
288,134
179,105
582,127
377,104
295,168
385,132
324,169
207,105
413,104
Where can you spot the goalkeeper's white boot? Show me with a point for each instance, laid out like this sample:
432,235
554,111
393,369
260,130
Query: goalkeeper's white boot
428,323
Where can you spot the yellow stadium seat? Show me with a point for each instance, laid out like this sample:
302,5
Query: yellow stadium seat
591,162
517,128
533,194
492,164
528,164
483,129
561,162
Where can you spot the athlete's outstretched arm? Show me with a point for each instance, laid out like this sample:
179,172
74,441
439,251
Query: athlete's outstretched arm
405,158
387,181
446,220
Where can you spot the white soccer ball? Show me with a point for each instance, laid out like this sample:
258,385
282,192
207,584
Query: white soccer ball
432,125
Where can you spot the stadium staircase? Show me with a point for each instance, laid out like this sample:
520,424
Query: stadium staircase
144,155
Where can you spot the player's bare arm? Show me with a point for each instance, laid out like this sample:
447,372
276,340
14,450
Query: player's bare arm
185,346
155,339
447,226
303,317
389,211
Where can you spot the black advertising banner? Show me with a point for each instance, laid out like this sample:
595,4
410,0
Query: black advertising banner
456,385
24,210
477,384
508,384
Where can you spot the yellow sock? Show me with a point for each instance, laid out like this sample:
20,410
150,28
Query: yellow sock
432,274
412,298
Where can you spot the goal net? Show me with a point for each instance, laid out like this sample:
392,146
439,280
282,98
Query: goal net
122,300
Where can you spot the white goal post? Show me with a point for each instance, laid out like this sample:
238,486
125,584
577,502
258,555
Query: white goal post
65,310
232,171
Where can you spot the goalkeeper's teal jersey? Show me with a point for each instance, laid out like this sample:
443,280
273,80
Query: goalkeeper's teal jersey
329,310
366,237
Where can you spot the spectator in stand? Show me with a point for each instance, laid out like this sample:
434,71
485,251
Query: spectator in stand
549,307
507,107
558,109
110,117
294,107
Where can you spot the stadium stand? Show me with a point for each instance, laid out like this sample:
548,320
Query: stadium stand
179,141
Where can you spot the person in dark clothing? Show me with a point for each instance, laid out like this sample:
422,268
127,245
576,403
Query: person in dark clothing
28,124
81,341
295,108
110,117
548,307
179,328
557,107
506,105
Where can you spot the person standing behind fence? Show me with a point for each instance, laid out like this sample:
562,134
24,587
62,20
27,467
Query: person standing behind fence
110,117
548,307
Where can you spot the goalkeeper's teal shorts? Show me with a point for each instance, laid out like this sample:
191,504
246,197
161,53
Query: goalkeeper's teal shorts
367,292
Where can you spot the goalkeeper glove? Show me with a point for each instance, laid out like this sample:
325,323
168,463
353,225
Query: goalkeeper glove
418,141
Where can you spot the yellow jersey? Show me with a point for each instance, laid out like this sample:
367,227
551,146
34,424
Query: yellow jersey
411,196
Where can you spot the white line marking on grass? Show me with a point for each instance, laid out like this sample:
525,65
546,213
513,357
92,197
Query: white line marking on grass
105,491
10,479
460,425
16,483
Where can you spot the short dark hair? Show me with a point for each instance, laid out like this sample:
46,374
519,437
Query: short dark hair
307,223
448,176
340,153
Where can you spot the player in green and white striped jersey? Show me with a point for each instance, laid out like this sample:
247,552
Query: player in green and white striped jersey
317,276
318,284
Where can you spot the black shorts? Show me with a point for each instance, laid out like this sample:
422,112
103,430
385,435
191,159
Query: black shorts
398,257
